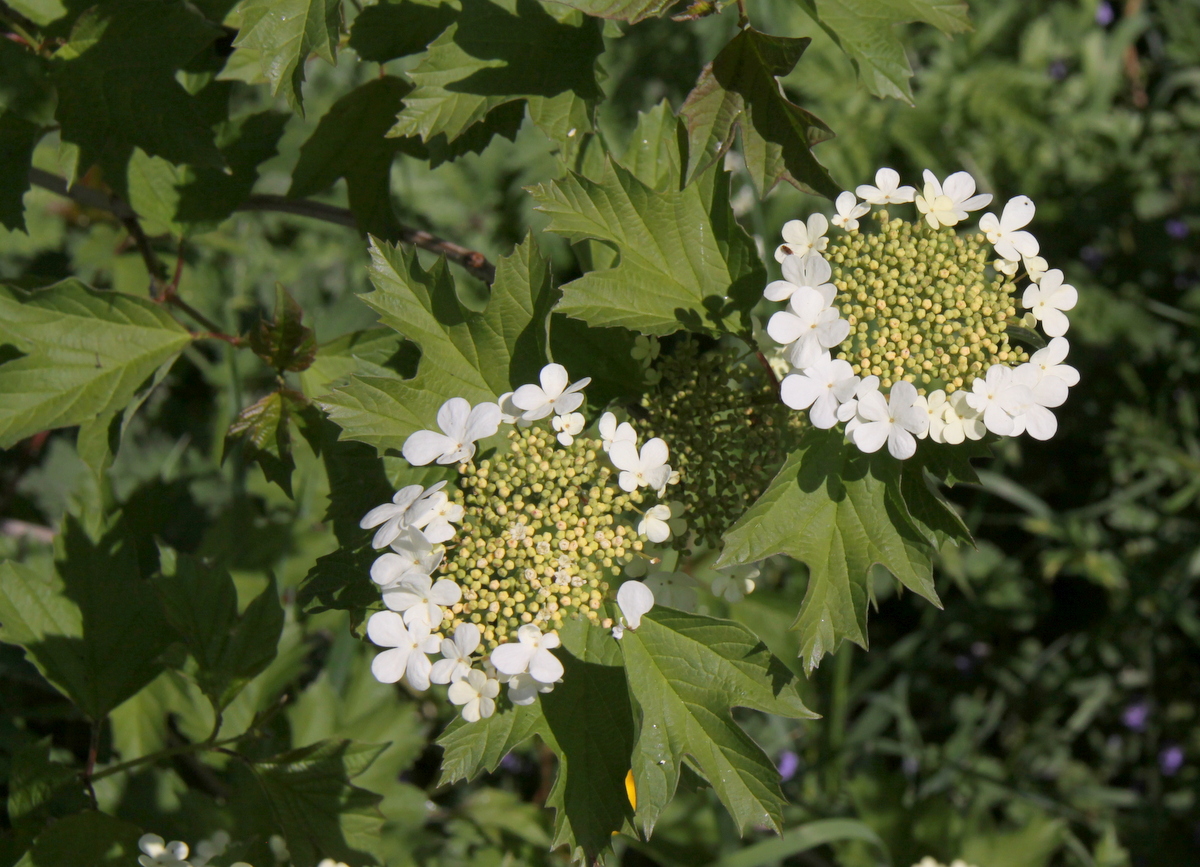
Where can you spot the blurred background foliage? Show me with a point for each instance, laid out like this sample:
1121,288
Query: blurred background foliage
1048,716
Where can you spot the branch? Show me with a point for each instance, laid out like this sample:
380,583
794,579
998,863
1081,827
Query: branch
17,529
472,261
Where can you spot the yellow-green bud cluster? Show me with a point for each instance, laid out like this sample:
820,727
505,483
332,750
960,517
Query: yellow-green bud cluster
543,531
728,432
921,306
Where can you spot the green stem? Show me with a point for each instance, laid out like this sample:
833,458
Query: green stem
167,753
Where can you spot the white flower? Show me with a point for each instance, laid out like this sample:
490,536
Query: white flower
456,654
1028,414
734,583
421,599
810,270
530,652
1049,359
477,694
1005,233
997,398
568,426
1035,267
947,205
848,211
799,238
411,556
159,854
648,468
807,327
611,432
673,589
1044,390
552,396
962,420
887,189
824,386
934,405
894,421
523,689
662,521
848,411
1048,299
438,518
408,504
634,599
408,648
461,426
510,413
1006,267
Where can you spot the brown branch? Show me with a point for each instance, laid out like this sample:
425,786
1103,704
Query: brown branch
472,261
16,529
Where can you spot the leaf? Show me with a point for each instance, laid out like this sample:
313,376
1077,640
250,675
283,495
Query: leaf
201,604
116,85
379,349
87,839
495,53
632,11
86,354
478,356
315,806
386,31
39,788
587,722
867,31
653,151
17,139
25,89
209,195
602,353
685,262
929,509
839,511
264,429
739,91
92,627
284,33
285,343
686,672
349,143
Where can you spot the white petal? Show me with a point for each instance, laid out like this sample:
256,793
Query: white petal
442,670
901,443
554,379
424,446
453,415
1040,423
1054,322
997,420
798,391
445,592
795,232
544,667
386,629
512,658
783,327
1017,213
466,638
871,436
634,599
654,453
824,411
533,401
624,455
418,670
483,422
389,666
777,290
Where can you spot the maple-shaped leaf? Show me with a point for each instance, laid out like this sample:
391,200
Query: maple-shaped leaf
284,342
739,91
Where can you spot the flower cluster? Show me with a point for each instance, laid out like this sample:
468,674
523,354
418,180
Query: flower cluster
486,570
902,333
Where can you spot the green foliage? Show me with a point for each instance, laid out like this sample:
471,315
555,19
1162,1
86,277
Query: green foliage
738,91
685,262
478,356
84,355
840,512
685,674
284,34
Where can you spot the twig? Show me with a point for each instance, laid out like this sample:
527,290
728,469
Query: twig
766,365
471,260
93,750
22,25
13,528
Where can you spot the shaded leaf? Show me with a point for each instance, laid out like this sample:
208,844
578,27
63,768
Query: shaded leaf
17,139
92,627
86,353
839,511
686,672
25,89
867,31
39,788
478,356
264,429
739,91
285,343
632,11
87,839
116,83
349,143
210,195
495,53
284,33
386,31
230,650
685,262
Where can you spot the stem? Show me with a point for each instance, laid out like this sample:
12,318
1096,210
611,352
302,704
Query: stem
167,753
762,359
88,772
743,18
